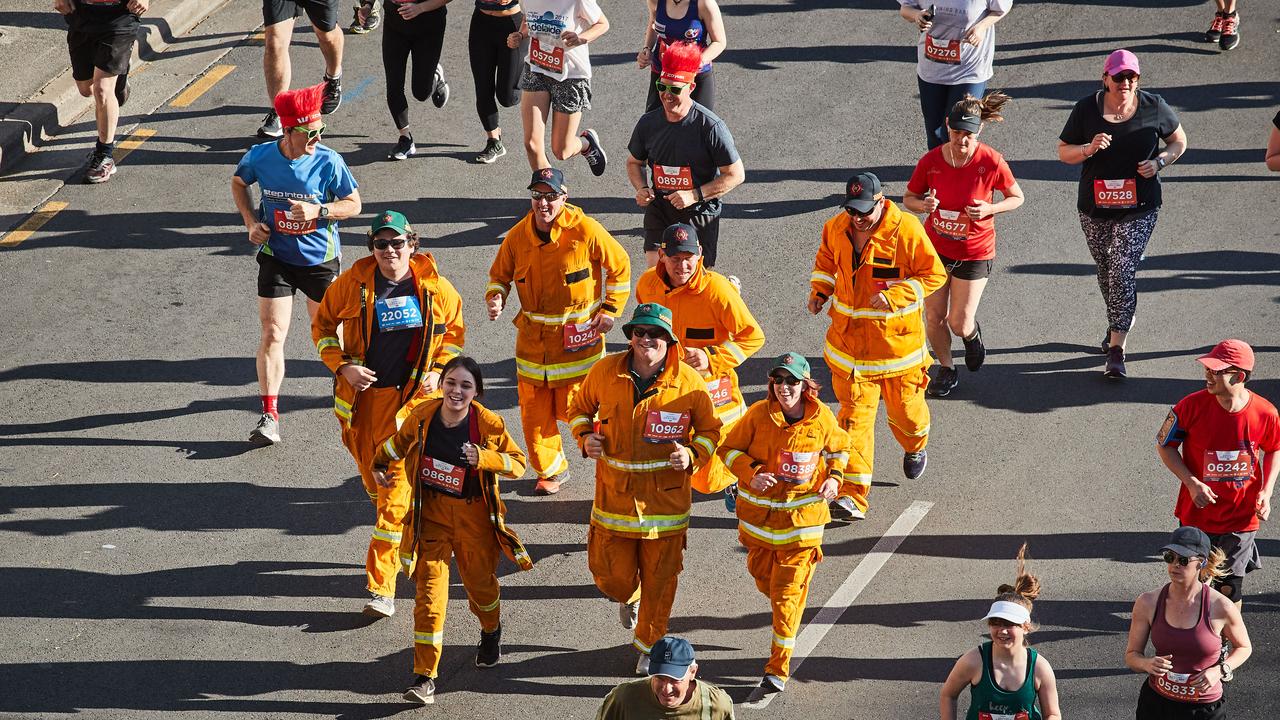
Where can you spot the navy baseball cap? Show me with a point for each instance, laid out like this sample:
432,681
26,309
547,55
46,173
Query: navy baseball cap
863,192
1189,542
679,238
670,657
549,176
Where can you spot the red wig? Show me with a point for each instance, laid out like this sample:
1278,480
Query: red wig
681,62
299,107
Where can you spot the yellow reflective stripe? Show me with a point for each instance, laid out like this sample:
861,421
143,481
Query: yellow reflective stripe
341,408
498,288
735,351
559,465
506,463
558,371
874,367
575,316
391,537
730,413
641,646
780,537
406,563
705,443
522,555
917,286
863,479
843,456
820,277
447,349
731,457
784,642
490,607
639,466
435,638
633,524
798,502
390,447
861,313
919,433
577,420
619,287
327,342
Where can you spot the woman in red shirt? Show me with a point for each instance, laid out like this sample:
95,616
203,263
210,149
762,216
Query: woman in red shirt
953,184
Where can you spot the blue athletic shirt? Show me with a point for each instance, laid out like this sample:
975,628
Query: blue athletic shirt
319,178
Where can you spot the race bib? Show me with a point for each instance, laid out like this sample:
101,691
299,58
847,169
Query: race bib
661,426
1174,686
548,58
1115,194
669,178
796,467
953,224
1227,466
580,335
721,391
398,313
442,476
1020,715
286,225
946,52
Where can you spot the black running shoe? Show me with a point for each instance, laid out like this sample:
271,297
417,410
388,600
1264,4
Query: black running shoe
1115,368
594,152
1214,33
1230,31
913,464
422,691
270,127
440,94
371,21
404,149
493,150
944,383
490,649
975,353
332,96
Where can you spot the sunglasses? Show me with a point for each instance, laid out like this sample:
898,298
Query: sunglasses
1126,76
396,243
311,134
649,332
546,197
784,380
1170,557
1228,371
671,89
855,213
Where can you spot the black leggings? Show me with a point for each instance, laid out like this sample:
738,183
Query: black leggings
423,37
494,66
704,91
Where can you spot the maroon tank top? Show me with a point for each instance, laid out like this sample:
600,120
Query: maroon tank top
1193,649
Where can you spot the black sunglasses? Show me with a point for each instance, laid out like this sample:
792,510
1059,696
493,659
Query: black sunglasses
855,213
1170,557
1125,76
784,380
649,332
547,196
396,243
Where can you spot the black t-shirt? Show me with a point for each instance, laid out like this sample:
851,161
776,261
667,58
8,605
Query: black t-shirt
693,149
102,16
396,337
1132,141
445,443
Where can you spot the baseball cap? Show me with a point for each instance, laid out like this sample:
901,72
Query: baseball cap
1229,353
1189,542
390,219
549,176
679,238
1119,61
792,363
299,107
1010,611
862,192
670,657
650,314
958,119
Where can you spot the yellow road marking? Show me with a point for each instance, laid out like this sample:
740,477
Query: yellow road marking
33,223
131,143
201,85
258,38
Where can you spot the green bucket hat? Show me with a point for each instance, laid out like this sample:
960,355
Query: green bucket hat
390,219
650,314
793,364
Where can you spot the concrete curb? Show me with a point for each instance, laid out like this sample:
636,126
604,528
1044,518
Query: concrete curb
35,119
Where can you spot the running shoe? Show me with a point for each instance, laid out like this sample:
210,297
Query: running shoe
380,606
493,149
1106,342
422,691
642,666
490,649
270,126
550,485
842,508
975,353
594,152
629,615
332,96
267,431
440,93
913,464
1115,364
1214,33
946,381
122,87
1230,32
101,167
404,149
772,684
371,21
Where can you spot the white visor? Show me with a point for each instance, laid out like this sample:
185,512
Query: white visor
1011,611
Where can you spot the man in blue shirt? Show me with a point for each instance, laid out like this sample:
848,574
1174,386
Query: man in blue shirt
305,188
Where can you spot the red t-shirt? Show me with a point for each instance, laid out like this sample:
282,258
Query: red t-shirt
949,227
1221,449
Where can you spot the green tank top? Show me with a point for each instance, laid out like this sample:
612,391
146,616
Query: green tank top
988,701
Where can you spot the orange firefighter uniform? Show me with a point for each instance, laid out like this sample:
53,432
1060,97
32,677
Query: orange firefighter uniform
875,354
472,530
782,527
562,284
640,514
708,313
370,416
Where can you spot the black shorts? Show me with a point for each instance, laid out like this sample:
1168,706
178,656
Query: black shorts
109,52
323,13
966,269
659,215
1154,706
278,279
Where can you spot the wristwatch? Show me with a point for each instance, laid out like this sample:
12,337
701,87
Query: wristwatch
324,211
1161,162
1227,675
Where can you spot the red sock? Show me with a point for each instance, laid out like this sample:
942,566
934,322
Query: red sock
269,405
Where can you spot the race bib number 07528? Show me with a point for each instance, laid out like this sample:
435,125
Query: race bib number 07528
1115,194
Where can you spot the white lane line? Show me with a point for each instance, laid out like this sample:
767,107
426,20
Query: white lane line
849,590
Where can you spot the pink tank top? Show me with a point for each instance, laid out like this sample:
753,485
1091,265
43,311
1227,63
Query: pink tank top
1193,649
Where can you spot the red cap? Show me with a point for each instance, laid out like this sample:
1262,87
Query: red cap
681,62
1229,353
299,107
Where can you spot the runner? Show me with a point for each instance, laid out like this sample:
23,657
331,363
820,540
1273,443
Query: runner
417,29
495,67
1116,133
1190,629
401,322
648,422
100,38
1225,29
788,454
573,280
690,155
953,185
556,80
306,189
453,449
716,330
879,265
1005,661
672,690
278,17
1211,441
953,54
700,23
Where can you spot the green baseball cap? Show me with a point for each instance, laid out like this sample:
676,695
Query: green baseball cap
650,314
793,364
390,219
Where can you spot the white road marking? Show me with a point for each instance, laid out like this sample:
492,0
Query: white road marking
848,592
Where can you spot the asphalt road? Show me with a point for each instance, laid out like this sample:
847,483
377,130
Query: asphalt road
153,564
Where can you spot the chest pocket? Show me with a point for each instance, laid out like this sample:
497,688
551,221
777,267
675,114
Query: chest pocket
582,291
